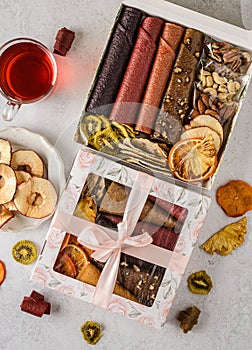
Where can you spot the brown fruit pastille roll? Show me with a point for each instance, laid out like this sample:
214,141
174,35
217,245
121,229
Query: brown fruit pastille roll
115,61
137,72
160,73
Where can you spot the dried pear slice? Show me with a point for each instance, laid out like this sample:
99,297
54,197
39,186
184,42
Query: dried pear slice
5,215
200,282
226,240
35,198
8,183
210,122
235,198
24,252
5,152
29,161
200,133
193,159
91,332
105,141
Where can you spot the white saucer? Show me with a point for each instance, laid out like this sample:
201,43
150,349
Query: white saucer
21,138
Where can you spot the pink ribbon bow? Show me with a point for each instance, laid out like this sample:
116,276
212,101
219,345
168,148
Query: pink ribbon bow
108,250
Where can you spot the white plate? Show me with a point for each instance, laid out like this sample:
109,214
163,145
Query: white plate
21,138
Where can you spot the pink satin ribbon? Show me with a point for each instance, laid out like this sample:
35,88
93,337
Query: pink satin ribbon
109,250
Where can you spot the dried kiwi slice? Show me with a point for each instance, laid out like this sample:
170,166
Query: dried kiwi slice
91,125
200,282
94,123
120,130
104,120
91,332
105,141
132,133
24,252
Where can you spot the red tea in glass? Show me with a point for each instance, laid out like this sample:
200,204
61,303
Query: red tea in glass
27,72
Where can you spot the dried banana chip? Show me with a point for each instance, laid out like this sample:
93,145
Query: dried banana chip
226,240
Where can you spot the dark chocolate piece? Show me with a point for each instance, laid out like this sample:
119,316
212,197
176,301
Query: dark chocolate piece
160,73
141,278
137,72
64,40
114,62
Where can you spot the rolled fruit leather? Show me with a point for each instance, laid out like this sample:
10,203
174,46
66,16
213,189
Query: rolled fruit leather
115,62
168,126
137,72
160,73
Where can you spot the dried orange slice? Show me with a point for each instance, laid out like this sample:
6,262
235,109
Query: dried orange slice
77,255
2,272
193,159
235,198
65,265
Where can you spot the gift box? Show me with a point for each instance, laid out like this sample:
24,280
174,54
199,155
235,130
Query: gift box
164,66
120,239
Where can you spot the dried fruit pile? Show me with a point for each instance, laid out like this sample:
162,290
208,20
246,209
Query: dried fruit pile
22,186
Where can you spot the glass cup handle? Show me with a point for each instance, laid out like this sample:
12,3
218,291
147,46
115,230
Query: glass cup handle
10,110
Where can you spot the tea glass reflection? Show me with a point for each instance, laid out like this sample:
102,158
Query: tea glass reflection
28,73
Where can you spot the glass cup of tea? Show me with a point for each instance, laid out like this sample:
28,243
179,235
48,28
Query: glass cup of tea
28,73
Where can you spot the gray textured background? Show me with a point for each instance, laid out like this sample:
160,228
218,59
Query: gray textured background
225,322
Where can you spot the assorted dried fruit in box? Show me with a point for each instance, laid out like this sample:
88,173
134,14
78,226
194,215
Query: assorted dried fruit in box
169,83
103,202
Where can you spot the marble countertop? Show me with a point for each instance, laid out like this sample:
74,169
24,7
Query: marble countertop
225,321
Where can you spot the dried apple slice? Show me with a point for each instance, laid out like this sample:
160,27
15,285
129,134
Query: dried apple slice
8,183
10,206
210,122
200,133
35,198
5,152
22,176
5,215
29,161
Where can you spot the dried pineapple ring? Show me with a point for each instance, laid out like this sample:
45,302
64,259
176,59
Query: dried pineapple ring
226,240
235,198
193,159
